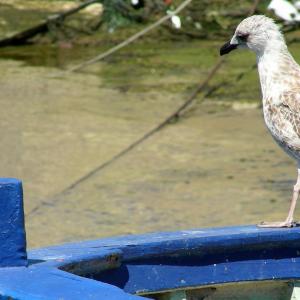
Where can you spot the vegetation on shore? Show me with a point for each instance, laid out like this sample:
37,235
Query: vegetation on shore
201,19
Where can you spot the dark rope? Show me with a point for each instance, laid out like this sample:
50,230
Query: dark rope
173,116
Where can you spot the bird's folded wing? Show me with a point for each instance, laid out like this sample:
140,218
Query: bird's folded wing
289,118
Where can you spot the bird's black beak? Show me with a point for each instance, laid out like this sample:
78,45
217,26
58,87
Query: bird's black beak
227,47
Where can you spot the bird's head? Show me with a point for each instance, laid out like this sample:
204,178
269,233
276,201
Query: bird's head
257,33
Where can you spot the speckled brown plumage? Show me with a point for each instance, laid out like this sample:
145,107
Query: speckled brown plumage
280,85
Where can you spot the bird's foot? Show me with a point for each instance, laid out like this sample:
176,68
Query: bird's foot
287,224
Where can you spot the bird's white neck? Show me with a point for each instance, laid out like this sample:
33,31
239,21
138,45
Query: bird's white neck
276,68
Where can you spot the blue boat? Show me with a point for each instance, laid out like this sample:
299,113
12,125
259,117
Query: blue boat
221,263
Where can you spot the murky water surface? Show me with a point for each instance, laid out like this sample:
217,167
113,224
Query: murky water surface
216,166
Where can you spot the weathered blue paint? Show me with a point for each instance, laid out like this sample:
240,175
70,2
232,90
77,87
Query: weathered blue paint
118,268
168,260
12,233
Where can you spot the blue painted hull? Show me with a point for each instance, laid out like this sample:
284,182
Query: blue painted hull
187,259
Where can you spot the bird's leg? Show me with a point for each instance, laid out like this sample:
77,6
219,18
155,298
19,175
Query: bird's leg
290,217
289,221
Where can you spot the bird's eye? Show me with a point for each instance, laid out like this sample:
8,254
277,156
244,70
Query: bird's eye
243,37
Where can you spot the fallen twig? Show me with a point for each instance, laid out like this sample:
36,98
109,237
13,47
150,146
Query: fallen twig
23,36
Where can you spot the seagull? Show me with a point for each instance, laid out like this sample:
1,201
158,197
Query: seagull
279,76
